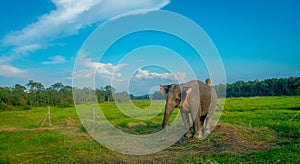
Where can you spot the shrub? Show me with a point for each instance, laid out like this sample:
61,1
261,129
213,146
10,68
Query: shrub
26,107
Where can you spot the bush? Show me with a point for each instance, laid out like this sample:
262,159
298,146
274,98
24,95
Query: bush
26,107
2,107
64,104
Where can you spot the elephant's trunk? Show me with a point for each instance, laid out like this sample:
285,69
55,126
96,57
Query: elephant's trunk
168,111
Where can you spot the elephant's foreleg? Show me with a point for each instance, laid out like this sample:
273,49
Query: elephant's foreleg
186,121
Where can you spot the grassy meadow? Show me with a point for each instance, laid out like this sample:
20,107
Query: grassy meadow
250,130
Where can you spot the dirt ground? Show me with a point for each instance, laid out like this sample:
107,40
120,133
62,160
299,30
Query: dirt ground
224,138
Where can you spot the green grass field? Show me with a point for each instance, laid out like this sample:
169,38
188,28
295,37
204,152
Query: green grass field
250,130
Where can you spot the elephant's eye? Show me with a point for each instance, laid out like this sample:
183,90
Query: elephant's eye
177,99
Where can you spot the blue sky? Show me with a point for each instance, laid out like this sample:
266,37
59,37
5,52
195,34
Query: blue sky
40,40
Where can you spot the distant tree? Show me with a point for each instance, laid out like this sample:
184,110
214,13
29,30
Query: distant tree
52,97
35,89
297,91
34,86
157,96
121,97
142,97
67,95
5,95
57,86
18,95
60,95
221,90
100,95
108,90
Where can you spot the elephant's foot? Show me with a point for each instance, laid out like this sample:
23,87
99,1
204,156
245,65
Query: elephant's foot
197,136
189,134
206,131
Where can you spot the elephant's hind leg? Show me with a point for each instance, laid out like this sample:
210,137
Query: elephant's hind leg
206,126
197,126
212,108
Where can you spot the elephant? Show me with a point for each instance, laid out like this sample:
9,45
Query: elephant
195,98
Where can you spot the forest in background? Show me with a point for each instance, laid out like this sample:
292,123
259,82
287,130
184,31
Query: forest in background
33,94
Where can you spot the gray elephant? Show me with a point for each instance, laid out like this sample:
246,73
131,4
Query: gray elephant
195,98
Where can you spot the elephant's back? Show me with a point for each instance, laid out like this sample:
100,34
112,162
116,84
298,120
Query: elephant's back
206,94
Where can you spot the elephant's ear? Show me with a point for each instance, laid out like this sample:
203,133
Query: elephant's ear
164,89
185,92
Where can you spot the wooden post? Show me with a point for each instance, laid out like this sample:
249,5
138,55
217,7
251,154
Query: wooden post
94,116
49,117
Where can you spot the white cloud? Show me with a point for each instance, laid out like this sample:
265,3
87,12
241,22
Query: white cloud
81,74
91,68
18,52
72,15
106,69
55,60
145,74
11,71
27,48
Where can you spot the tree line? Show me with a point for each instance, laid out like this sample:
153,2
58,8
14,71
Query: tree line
34,94
269,87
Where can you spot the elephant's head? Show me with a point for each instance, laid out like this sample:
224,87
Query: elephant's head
176,96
